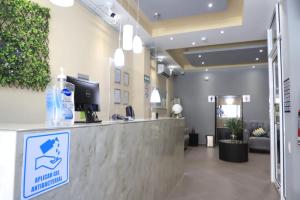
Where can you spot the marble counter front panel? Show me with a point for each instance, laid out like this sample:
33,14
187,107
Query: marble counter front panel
127,161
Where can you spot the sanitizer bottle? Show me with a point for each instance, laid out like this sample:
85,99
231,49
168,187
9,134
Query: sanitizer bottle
60,102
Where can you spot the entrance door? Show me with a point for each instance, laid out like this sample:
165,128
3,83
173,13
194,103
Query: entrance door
277,120
276,104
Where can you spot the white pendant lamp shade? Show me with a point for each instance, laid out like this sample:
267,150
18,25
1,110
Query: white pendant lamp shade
63,3
127,37
155,97
119,58
137,44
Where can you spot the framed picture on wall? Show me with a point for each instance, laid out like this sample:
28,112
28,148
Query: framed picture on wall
126,79
117,96
117,76
125,97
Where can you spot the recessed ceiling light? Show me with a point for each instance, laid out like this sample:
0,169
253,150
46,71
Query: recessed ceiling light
222,31
253,67
193,43
171,38
257,59
210,5
261,50
203,38
206,70
199,56
203,63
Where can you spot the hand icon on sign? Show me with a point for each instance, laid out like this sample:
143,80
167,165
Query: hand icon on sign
49,162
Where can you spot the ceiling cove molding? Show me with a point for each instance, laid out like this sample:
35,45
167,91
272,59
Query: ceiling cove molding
179,55
231,17
226,67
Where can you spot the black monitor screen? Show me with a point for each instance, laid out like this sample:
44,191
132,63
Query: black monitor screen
86,94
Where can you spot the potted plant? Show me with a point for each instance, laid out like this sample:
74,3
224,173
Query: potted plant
235,125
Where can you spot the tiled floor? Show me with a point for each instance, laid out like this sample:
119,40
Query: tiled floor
208,178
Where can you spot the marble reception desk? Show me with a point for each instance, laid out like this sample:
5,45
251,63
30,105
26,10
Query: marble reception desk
139,160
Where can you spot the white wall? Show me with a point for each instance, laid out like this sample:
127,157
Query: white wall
290,24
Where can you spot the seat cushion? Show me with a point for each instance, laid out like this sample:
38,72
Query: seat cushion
259,143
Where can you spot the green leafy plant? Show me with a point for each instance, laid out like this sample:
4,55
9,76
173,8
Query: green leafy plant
235,126
24,52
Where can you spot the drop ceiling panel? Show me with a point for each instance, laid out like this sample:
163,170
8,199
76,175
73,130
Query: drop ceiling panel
171,9
222,57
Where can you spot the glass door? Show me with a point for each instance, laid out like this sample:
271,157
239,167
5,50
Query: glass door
276,104
277,120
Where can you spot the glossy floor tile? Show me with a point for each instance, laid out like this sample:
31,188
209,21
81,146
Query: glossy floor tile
208,178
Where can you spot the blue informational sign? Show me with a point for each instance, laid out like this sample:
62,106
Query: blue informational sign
45,162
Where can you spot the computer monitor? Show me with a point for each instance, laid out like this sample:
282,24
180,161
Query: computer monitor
86,97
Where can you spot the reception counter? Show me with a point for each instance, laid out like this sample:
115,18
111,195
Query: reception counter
138,160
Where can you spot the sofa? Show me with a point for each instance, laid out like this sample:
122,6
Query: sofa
257,144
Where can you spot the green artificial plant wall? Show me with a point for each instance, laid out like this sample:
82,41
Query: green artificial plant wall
24,52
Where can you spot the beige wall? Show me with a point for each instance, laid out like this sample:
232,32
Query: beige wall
80,43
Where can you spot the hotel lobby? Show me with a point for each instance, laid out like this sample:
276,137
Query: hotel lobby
149,100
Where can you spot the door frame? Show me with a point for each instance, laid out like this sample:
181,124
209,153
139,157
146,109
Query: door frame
274,51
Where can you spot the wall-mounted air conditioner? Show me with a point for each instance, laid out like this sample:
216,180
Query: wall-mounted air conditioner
163,70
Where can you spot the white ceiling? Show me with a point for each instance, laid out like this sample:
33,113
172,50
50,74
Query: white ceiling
257,17
170,9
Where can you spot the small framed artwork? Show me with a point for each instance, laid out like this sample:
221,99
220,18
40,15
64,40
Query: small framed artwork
117,96
126,79
125,97
117,76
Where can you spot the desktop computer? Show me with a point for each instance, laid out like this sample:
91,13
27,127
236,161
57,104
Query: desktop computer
86,98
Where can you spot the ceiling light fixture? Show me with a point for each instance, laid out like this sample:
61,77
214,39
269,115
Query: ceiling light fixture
253,66
127,37
171,38
193,43
203,38
257,59
261,50
119,57
210,5
137,43
203,63
222,31
63,3
155,96
199,56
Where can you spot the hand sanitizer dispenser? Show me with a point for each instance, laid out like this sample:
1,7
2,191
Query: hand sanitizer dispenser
60,102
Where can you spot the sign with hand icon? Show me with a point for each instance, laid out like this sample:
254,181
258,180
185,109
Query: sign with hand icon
45,162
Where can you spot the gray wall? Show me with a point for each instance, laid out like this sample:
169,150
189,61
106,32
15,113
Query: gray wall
194,92
291,69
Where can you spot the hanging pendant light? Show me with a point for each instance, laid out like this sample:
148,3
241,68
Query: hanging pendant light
155,96
137,43
127,37
63,3
119,57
